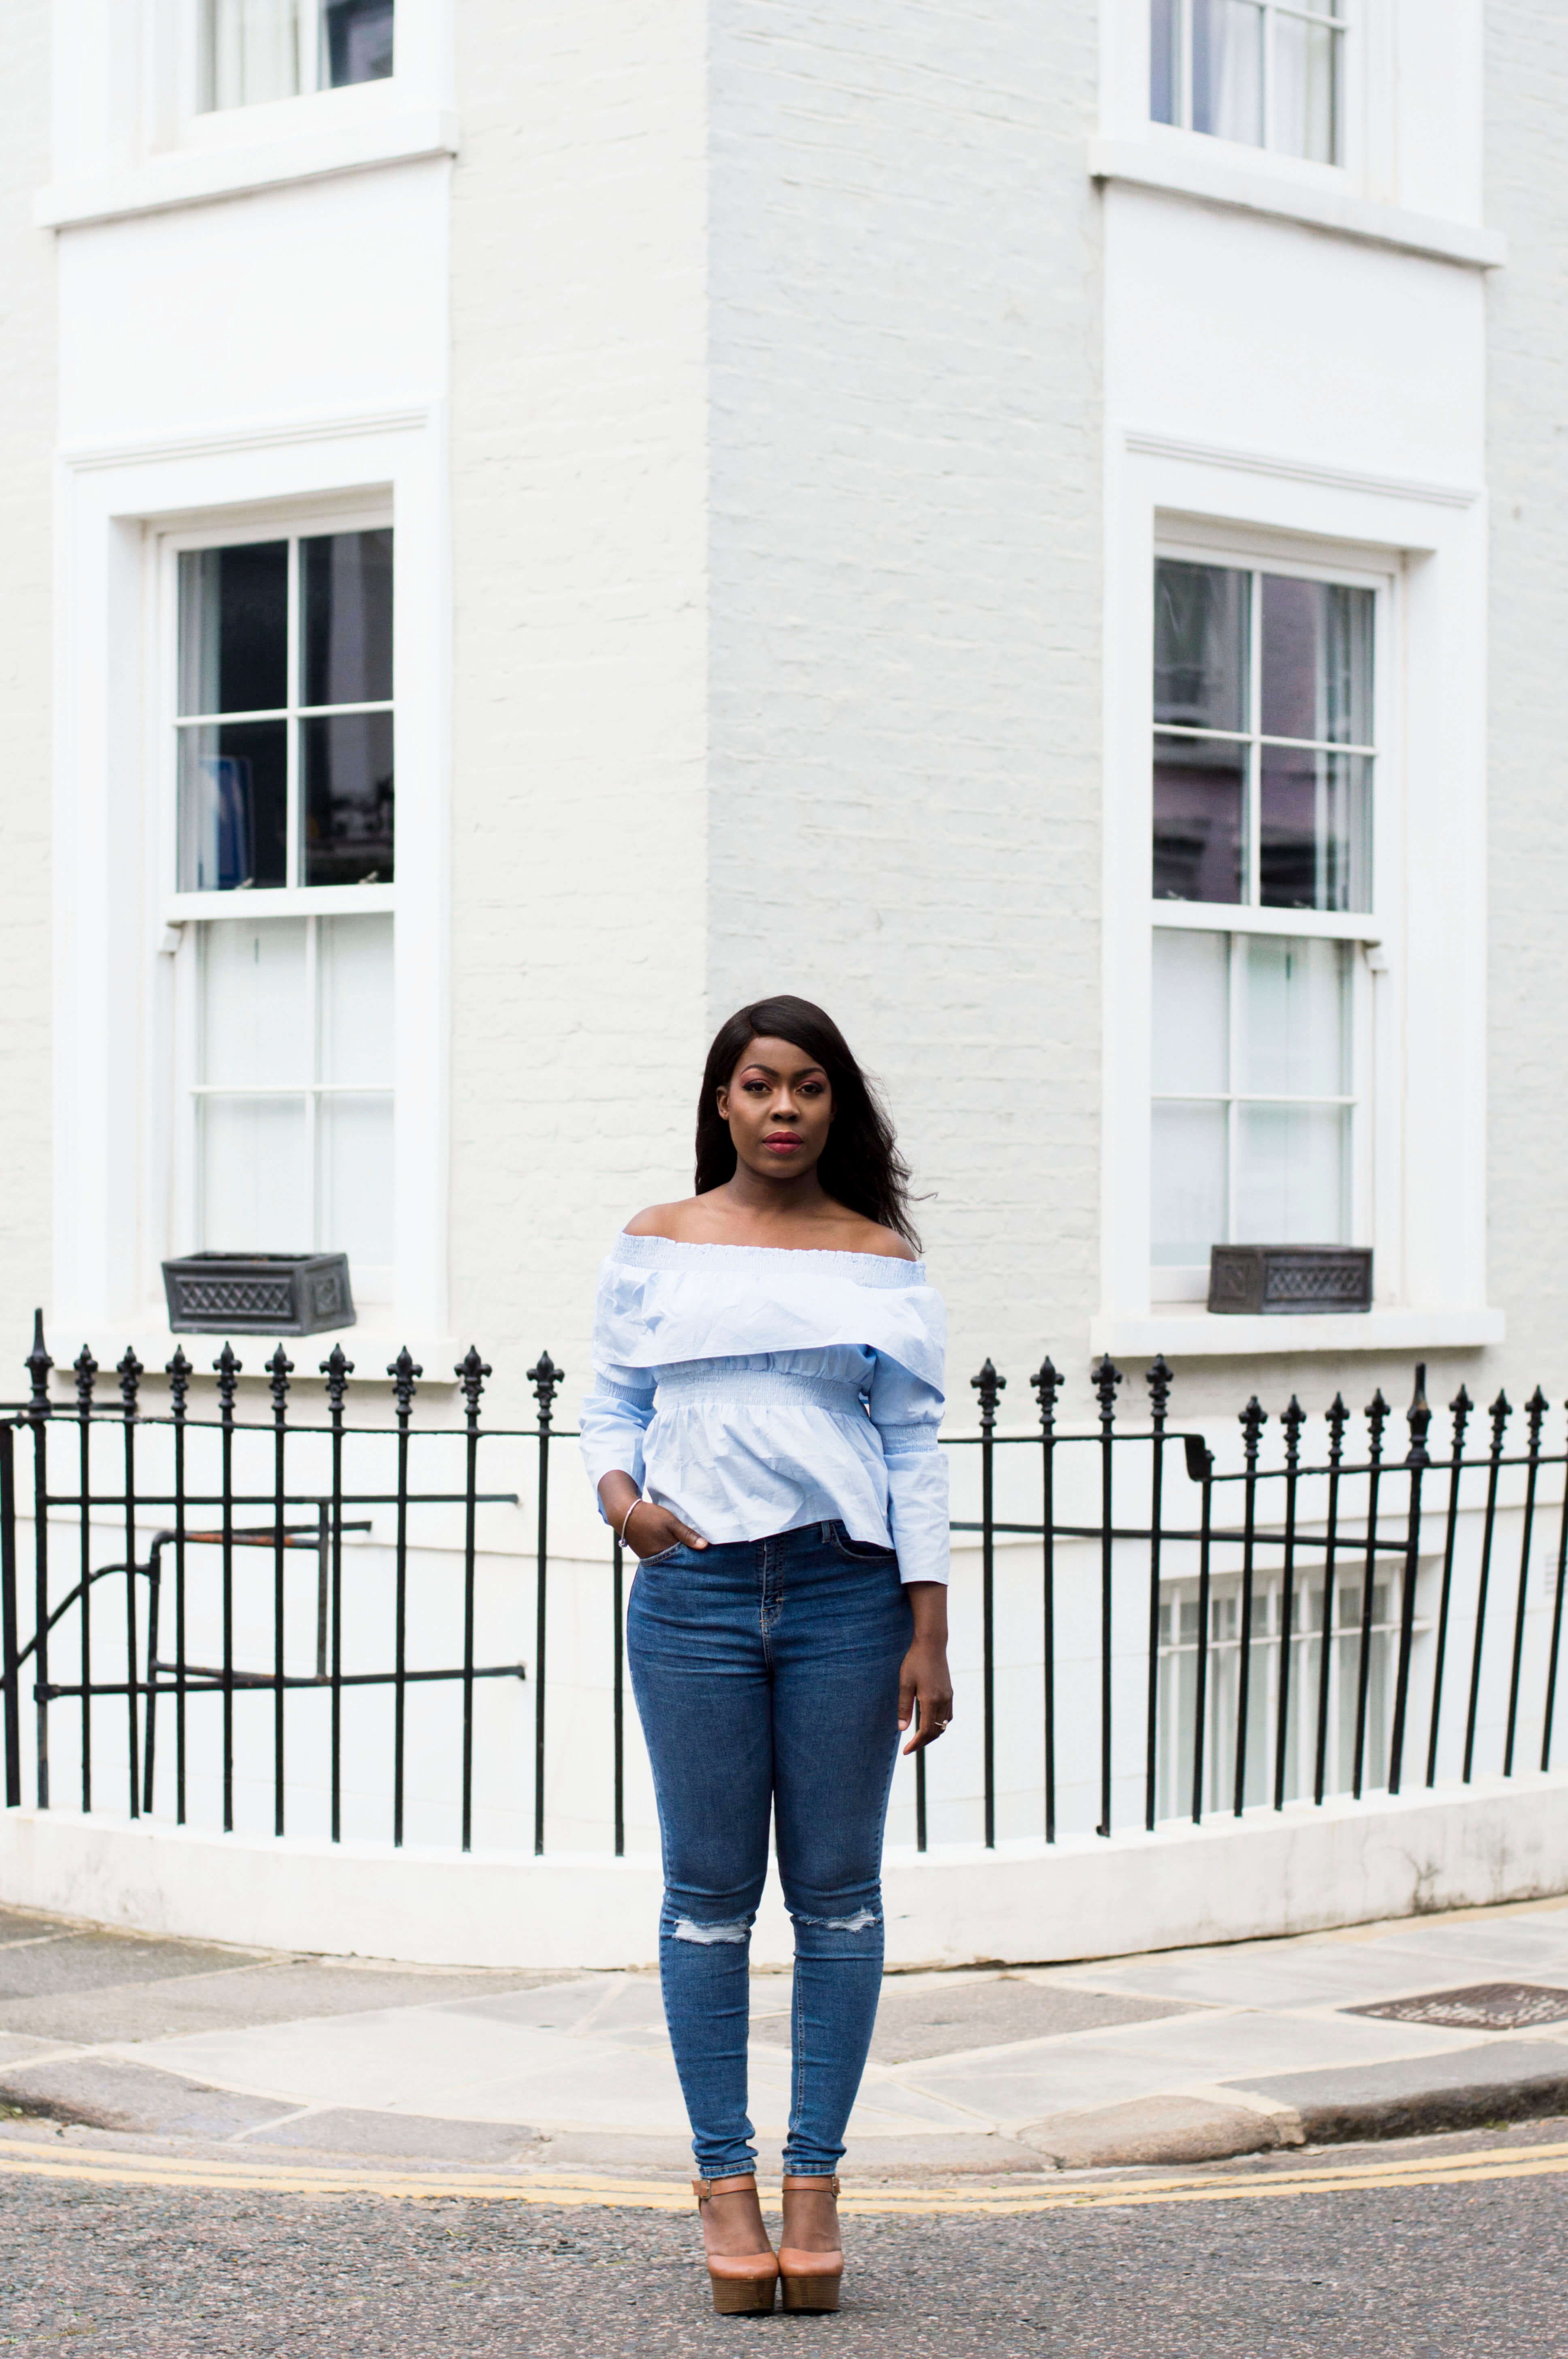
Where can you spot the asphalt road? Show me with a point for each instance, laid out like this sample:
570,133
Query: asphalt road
1372,2272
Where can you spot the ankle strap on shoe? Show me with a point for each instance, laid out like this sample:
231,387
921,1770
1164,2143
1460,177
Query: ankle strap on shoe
703,2188
813,2179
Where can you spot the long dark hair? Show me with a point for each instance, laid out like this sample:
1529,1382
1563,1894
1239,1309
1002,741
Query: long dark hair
861,1166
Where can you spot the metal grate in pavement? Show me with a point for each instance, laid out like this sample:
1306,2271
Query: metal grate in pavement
1479,2006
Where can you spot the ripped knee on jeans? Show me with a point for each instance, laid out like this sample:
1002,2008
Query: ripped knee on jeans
863,1920
732,1928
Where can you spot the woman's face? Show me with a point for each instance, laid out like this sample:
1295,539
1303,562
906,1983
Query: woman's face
779,1105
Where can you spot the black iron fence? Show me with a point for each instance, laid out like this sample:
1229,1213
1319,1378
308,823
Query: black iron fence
335,1618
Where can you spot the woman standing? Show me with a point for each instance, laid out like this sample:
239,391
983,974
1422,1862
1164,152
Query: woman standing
762,1431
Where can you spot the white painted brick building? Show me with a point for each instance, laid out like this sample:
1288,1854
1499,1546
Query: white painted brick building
779,413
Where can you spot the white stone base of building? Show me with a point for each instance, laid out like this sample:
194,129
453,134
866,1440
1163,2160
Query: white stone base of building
1297,1871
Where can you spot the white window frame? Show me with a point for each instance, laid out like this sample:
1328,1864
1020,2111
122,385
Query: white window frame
1425,977
123,975
1196,544
187,913
1343,27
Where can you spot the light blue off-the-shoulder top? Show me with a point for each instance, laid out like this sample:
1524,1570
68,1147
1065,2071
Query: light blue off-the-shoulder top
752,1389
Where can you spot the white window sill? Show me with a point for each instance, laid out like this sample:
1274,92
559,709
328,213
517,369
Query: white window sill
194,176
1185,168
1186,1331
371,1344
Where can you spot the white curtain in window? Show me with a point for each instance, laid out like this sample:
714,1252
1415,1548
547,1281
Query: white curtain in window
1305,93
253,51
1227,69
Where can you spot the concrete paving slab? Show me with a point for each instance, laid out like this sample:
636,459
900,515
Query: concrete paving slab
90,1961
1010,2087
27,1925
1219,2046
106,2093
401,2137
933,2022
275,1991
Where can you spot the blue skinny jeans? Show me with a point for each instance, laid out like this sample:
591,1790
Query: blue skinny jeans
766,1674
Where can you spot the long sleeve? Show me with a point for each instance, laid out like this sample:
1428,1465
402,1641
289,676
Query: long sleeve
907,1413
616,1413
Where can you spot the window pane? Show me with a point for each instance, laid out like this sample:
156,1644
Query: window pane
345,585
1317,661
1199,806
1314,851
348,799
1191,1014
1306,67
233,805
353,1139
1294,1030
1163,21
254,1175
357,40
1291,1175
1189,1195
1227,69
234,628
250,51
256,1019
354,964
1200,645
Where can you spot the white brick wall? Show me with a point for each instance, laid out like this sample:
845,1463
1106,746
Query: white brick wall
1526,70
579,609
905,546
26,438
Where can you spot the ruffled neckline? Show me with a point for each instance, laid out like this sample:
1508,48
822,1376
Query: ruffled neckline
875,1270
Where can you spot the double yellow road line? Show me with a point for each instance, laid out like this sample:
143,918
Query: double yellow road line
25,2158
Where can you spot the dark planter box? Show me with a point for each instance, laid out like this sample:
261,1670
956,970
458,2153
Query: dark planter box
257,1294
1289,1281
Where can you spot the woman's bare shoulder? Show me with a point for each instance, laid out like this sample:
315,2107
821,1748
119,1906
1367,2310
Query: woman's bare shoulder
677,1222
870,1238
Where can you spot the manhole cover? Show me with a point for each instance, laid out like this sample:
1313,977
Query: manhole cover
1480,2007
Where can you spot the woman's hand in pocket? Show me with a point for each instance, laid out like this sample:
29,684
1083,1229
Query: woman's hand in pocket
652,1529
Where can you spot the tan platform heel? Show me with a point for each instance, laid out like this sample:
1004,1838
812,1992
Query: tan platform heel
810,2281
741,2281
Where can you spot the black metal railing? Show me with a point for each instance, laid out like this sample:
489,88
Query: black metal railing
1287,1624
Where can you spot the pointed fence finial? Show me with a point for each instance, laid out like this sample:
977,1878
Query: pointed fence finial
84,1368
1376,1418
37,1364
1418,1417
1338,1417
279,1368
988,1384
546,1379
1159,1378
405,1371
1106,1376
130,1374
1046,1382
179,1371
337,1369
1535,1409
1252,1420
1499,1413
1292,1419
228,1373
471,1372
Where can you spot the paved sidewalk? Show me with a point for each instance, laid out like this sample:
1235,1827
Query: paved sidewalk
1179,2056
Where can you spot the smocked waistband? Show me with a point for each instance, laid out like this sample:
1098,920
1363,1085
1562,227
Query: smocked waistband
698,1380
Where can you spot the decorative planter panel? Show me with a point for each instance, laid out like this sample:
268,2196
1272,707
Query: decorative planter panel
1290,1281
257,1294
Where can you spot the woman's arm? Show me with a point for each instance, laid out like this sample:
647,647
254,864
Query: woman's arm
925,1684
652,1529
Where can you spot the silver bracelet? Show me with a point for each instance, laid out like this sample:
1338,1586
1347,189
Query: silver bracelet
638,1502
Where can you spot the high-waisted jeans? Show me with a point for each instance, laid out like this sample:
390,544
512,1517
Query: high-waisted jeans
766,1673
